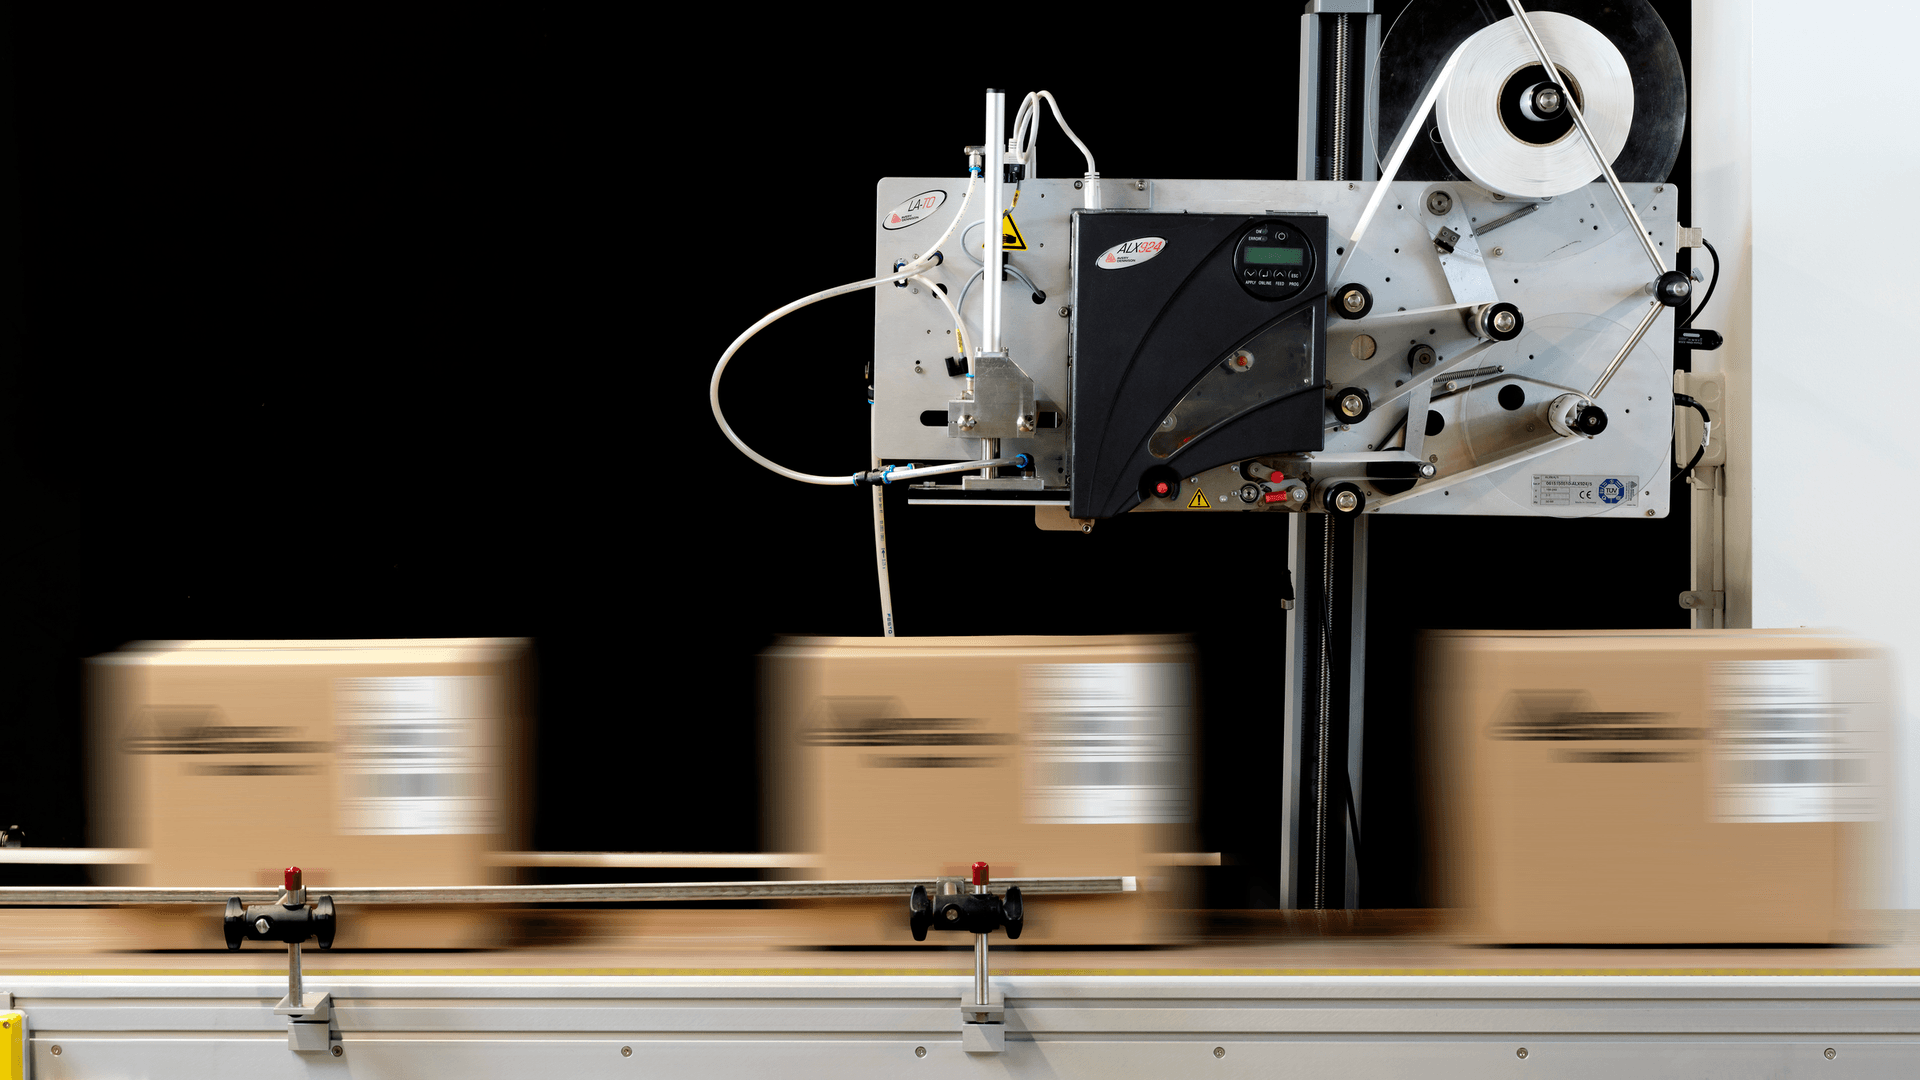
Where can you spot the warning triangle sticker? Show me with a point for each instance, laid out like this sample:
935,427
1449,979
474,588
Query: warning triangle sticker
1199,501
1010,238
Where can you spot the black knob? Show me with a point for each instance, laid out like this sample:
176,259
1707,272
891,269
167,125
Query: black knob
1590,420
323,922
1013,911
235,923
921,909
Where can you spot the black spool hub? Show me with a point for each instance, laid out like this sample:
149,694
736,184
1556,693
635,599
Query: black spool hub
1338,302
1673,288
1590,420
1350,404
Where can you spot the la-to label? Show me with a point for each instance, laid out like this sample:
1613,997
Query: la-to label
1599,492
1131,253
913,210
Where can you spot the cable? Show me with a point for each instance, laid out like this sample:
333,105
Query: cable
1026,127
1695,313
1706,428
876,475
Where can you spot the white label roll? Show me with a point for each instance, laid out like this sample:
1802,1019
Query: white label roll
1480,142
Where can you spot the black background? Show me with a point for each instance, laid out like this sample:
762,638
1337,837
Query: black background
330,324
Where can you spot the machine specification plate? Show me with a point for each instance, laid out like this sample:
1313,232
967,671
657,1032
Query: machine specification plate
1560,489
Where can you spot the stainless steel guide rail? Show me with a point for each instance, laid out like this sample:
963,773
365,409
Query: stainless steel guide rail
797,1027
545,894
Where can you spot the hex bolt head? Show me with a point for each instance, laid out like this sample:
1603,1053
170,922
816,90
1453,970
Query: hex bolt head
1439,203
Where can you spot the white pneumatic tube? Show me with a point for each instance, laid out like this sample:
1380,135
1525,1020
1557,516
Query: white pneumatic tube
924,262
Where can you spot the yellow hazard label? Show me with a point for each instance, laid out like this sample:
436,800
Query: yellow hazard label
1010,238
1199,501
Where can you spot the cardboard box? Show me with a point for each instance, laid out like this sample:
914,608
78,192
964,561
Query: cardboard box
397,762
1686,786
1044,757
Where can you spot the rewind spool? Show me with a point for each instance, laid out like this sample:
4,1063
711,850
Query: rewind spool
1491,128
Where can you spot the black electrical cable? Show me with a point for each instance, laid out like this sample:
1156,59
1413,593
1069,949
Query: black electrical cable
1683,401
1695,313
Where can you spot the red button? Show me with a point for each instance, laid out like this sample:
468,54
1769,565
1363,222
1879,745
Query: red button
1160,488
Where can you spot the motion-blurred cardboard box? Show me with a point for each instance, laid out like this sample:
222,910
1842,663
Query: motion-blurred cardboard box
1686,786
396,762
1044,757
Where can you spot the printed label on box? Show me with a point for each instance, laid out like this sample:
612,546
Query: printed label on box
1798,740
1108,744
410,754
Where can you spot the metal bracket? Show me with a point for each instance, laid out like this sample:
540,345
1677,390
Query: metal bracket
983,1028
1458,250
1687,237
310,1026
999,404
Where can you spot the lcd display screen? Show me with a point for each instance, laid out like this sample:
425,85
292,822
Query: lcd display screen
1276,256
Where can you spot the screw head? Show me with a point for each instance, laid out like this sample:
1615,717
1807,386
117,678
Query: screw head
261,925
1219,1051
919,1051
1503,321
337,1050
1829,1052
1352,300
953,913
56,1049
1078,184
626,1051
1439,203
1546,100
1521,1053
1427,470
1649,513
1139,185
1346,500
1497,252
1351,405
1433,458
1065,311
1087,528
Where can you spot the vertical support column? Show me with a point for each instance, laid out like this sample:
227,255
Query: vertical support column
1292,744
1339,97
1356,700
